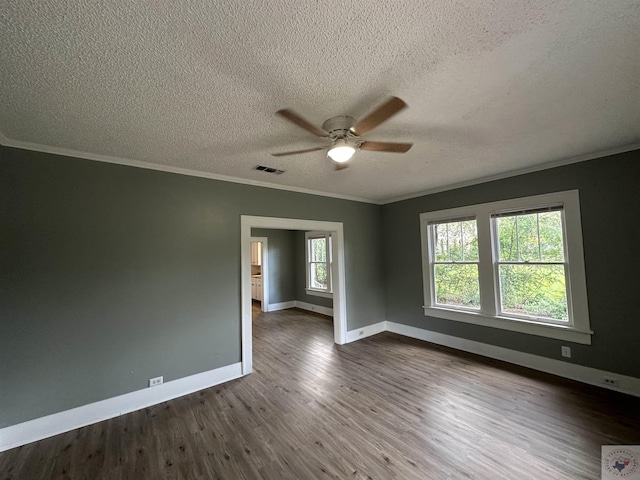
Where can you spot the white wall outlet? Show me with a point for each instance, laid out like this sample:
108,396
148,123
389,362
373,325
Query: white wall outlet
156,381
565,351
612,382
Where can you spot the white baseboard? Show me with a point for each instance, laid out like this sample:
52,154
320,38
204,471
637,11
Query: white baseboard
50,425
591,376
314,308
363,332
274,307
39,428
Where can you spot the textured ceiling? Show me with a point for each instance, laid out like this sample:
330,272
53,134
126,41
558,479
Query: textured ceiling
492,87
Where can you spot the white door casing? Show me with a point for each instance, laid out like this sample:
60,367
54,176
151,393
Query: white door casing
248,222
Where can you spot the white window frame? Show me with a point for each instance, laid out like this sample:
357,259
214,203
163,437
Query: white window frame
328,292
433,262
576,330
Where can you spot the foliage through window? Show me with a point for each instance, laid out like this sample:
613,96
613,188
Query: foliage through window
455,266
515,264
318,249
531,265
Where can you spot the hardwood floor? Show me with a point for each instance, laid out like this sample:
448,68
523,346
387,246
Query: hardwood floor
385,407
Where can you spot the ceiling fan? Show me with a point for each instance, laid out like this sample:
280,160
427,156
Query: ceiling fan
344,133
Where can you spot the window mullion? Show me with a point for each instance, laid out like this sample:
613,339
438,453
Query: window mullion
430,296
448,250
308,245
328,261
517,240
486,264
538,228
462,241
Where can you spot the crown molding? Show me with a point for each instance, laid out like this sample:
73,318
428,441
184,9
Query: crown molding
4,140
513,173
37,147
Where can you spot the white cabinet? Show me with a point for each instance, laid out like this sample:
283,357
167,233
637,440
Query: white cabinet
256,253
256,288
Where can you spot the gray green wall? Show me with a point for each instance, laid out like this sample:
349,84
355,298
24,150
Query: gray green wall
610,208
282,272
112,275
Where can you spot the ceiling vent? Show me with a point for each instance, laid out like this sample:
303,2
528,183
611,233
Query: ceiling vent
275,171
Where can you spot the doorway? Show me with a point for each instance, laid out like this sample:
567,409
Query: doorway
260,271
338,274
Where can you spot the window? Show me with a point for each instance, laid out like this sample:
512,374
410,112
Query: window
318,249
455,263
530,264
516,265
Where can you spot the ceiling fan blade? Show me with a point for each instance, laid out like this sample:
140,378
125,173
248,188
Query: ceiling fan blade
302,123
386,147
284,154
379,115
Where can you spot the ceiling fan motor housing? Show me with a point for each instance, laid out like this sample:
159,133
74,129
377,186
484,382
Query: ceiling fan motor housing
339,127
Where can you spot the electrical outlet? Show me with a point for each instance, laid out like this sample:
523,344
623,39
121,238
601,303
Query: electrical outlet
612,382
156,381
361,332
565,351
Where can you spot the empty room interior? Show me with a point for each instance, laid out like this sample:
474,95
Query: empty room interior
247,240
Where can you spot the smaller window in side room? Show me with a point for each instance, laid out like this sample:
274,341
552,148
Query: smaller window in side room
318,255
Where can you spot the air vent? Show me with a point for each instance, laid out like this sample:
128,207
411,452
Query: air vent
275,171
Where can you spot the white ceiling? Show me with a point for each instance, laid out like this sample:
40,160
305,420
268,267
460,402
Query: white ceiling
492,87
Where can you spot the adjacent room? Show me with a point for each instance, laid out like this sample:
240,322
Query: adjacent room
247,240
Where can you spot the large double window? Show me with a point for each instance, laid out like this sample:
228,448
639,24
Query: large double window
516,265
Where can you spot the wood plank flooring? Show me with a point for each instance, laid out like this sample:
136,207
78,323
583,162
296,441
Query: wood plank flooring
385,407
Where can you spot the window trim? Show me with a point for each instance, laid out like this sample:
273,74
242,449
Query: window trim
576,330
432,269
497,262
328,292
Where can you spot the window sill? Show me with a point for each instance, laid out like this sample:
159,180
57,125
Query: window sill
318,293
560,332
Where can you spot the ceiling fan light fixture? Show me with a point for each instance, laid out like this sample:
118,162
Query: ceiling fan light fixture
341,151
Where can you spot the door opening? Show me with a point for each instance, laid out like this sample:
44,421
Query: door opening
337,272
260,271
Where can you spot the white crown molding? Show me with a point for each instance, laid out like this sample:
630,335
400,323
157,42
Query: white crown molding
36,147
50,425
514,173
4,140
